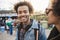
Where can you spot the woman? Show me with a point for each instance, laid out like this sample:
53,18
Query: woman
53,13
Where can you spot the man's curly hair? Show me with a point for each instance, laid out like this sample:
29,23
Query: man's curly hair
24,4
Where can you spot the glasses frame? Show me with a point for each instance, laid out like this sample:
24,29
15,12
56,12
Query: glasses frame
48,10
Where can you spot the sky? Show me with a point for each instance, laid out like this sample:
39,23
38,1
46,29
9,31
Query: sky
7,4
38,5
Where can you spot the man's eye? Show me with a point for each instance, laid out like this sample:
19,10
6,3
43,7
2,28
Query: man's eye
25,11
19,12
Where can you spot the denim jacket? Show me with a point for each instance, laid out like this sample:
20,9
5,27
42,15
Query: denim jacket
30,33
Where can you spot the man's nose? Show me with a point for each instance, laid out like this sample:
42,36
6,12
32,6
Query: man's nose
24,14
21,14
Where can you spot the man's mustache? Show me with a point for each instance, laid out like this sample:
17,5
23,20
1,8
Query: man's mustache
23,16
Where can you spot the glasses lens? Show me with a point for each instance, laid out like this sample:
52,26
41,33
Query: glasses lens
48,10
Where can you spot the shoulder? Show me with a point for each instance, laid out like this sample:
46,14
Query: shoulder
54,32
38,25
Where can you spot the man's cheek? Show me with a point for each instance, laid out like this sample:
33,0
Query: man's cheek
23,19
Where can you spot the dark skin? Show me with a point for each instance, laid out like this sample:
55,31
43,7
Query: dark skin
53,19
23,15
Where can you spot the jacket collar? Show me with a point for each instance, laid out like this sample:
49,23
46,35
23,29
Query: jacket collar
34,25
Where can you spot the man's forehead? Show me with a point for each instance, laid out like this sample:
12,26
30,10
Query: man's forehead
23,7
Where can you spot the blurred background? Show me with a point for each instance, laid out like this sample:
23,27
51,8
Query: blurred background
7,14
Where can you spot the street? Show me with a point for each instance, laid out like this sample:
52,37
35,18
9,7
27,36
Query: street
5,36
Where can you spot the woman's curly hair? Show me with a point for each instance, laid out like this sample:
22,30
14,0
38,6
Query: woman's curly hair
56,7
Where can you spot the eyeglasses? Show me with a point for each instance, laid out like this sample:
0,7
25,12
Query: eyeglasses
48,10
